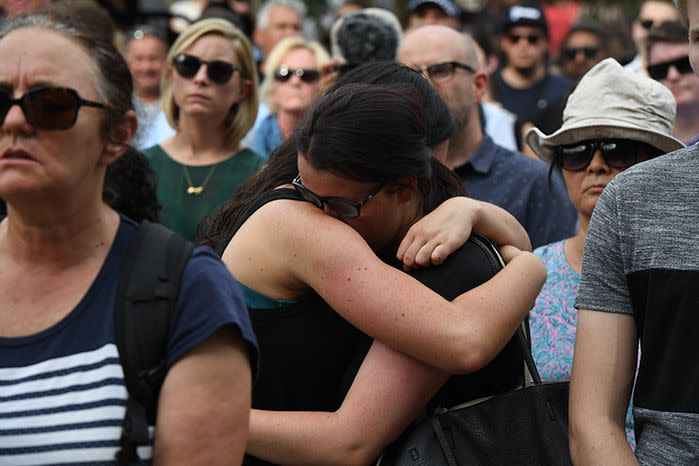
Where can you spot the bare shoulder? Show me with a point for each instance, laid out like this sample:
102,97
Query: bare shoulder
293,223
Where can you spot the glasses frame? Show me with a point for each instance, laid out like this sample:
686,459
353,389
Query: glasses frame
571,53
321,202
228,69
425,69
532,39
636,148
25,103
307,75
659,71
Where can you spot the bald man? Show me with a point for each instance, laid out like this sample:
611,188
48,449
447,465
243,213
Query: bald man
489,172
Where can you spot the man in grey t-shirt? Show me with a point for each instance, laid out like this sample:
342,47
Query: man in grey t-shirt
640,283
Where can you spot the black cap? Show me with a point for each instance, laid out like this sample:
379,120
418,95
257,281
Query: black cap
525,15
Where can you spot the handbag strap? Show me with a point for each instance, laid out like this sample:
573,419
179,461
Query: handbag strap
529,365
446,449
522,331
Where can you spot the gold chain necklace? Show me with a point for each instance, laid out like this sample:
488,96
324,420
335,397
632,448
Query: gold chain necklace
197,190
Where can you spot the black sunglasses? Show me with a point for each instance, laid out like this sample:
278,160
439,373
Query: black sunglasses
47,108
218,71
569,53
344,208
617,153
531,38
648,23
284,74
440,72
659,71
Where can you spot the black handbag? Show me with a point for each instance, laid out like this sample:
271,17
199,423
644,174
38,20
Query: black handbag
524,426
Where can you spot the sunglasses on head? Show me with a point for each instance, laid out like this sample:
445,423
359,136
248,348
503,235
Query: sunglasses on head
659,71
617,153
532,39
47,108
570,53
218,71
344,208
284,74
440,72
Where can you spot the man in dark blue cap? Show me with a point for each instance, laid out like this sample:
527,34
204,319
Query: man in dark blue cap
524,85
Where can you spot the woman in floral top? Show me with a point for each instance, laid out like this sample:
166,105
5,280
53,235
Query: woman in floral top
590,149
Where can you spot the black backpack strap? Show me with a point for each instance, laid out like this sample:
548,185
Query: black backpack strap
145,306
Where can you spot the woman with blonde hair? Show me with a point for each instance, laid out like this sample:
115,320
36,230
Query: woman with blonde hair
291,85
210,98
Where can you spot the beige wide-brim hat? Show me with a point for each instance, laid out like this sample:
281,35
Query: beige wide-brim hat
611,102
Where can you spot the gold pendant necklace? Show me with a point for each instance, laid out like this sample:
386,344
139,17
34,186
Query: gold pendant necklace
197,190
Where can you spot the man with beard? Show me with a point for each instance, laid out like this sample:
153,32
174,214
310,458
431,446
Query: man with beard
490,172
524,85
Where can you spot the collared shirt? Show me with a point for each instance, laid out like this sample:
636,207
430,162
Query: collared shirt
520,185
268,136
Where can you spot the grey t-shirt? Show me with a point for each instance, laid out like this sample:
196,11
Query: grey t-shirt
642,258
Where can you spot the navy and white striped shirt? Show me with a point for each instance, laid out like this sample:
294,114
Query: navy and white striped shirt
62,393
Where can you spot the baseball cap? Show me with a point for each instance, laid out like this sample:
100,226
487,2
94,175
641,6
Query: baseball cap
525,15
447,6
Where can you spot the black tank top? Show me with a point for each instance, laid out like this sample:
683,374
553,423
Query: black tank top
305,349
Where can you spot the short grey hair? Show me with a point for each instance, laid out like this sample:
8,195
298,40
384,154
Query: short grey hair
264,12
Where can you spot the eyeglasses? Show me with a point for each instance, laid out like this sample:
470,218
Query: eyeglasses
570,53
284,74
218,71
344,208
47,108
617,153
532,39
659,71
441,72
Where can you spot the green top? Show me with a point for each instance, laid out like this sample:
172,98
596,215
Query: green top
183,211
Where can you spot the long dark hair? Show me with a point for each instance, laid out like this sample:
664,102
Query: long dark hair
432,125
376,133
435,112
223,222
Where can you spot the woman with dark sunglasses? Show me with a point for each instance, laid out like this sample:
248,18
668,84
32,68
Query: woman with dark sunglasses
65,121
210,99
613,120
372,146
291,85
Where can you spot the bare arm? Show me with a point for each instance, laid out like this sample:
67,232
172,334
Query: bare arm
204,404
400,312
389,391
294,245
603,371
434,237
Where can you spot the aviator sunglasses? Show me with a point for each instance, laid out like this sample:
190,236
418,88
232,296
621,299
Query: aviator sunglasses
47,108
659,71
617,153
218,71
345,208
284,74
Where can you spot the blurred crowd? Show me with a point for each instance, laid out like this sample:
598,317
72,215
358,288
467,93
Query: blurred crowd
316,160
